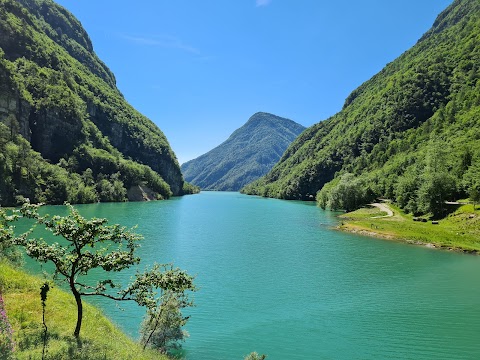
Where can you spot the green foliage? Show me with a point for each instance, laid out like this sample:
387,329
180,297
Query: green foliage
99,162
162,327
459,230
255,356
471,180
249,153
7,346
406,190
425,102
436,188
474,193
425,191
189,189
8,251
349,193
111,191
93,245
27,175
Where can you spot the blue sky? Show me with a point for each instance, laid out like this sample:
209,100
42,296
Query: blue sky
200,69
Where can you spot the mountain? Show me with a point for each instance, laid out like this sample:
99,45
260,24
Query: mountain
66,131
249,153
415,120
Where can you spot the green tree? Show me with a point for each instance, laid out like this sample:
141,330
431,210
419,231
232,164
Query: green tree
474,194
406,191
435,189
349,193
56,191
94,245
255,356
14,127
86,194
471,181
437,184
162,327
112,190
87,177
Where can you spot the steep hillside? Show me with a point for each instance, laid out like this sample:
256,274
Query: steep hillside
249,153
417,119
59,96
101,339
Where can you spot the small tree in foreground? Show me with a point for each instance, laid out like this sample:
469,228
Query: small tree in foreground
92,244
255,356
162,327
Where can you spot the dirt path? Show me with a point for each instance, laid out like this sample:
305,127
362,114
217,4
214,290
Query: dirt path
384,208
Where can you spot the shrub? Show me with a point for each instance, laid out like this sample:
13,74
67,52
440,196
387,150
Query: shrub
162,327
7,345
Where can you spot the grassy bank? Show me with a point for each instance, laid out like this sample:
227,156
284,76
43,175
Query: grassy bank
460,230
100,339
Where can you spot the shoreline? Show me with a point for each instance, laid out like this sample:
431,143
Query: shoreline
352,229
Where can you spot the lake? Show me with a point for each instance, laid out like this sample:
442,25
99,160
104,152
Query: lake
275,278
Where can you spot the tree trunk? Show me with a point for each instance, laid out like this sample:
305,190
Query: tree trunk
78,299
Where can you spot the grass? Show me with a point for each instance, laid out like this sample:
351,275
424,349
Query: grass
460,230
364,213
100,338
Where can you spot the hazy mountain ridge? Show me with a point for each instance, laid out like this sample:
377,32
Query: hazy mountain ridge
62,99
247,154
429,95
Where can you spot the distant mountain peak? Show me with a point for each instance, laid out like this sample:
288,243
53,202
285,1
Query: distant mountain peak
249,153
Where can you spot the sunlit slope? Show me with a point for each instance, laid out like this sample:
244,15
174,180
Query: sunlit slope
249,153
100,338
430,94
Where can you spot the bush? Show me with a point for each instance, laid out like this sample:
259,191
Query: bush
255,356
349,193
7,345
434,191
162,327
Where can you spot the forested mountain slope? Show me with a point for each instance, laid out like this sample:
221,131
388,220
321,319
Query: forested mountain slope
249,153
66,132
413,127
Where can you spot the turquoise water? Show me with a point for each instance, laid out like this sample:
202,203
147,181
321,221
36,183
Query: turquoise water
276,279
